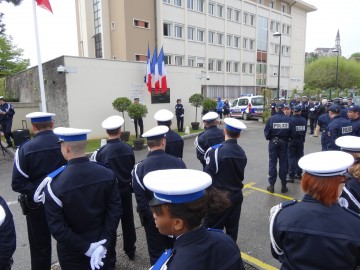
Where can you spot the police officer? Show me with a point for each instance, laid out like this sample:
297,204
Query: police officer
226,163
157,159
296,145
6,116
338,126
313,114
179,112
212,135
179,205
33,161
138,122
277,132
7,236
174,142
119,156
350,196
82,204
305,108
354,116
322,124
273,106
316,233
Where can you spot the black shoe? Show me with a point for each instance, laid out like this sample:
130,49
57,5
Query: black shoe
270,188
131,254
297,177
290,179
284,189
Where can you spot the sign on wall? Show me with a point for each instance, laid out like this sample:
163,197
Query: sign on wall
160,97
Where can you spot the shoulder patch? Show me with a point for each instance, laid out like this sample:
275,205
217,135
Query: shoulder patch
217,146
57,172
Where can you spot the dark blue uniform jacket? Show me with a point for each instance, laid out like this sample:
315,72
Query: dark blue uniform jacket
156,160
226,165
338,126
351,193
119,156
202,249
355,127
314,236
298,127
90,207
174,144
34,160
278,125
7,235
211,136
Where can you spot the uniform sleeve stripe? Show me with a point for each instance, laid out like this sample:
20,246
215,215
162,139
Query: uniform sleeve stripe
352,198
137,177
17,164
56,199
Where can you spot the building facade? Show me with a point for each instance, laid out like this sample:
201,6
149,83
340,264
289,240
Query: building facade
231,40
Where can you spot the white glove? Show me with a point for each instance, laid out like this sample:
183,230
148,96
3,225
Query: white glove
132,120
312,110
182,115
97,256
94,246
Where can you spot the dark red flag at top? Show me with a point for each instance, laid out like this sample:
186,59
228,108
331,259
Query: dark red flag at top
44,4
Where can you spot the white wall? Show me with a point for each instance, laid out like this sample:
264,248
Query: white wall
98,82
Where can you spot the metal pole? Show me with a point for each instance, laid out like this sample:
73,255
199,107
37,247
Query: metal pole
278,88
337,71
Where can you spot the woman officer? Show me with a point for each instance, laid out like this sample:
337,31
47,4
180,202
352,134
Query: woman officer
317,233
350,196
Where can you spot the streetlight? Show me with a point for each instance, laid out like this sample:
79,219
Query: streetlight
337,69
278,34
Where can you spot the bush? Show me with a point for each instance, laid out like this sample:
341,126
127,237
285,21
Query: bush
121,104
196,100
209,104
137,110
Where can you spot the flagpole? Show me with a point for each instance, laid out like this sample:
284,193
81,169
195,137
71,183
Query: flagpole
40,70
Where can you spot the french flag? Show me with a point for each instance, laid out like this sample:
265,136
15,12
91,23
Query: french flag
45,4
148,71
162,71
155,71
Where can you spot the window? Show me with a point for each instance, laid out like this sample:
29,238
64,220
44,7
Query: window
211,64
252,19
97,25
277,48
141,24
272,4
236,42
113,26
177,3
140,58
236,67
191,62
228,66
288,31
283,31
244,67
200,35
220,11
200,5
219,65
191,33
251,68
261,2
246,18
178,60
211,9
166,1
200,62
229,40
190,4
167,59
211,37
277,27
252,44
245,43
272,25
178,31
219,39
167,29
237,15
229,14
284,7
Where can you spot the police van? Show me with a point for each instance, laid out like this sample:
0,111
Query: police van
247,107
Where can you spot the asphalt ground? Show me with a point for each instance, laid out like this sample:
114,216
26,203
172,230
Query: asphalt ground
253,238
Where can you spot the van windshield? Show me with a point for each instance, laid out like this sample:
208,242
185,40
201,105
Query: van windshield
257,101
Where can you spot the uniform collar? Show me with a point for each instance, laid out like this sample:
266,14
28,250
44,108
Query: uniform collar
78,160
156,152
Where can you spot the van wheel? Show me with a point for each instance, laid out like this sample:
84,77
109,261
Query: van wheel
246,116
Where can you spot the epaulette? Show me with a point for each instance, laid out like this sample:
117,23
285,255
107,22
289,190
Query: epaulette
217,146
57,172
288,203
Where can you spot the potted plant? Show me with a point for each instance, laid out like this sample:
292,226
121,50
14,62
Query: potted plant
209,105
135,111
121,104
196,101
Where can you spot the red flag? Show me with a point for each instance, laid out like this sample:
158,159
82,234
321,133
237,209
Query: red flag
148,71
162,71
44,4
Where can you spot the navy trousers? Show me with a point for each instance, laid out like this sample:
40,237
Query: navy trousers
296,151
278,151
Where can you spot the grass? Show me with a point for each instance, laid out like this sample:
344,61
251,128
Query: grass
93,145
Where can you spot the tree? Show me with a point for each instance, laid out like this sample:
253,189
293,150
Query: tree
10,57
355,56
2,25
322,73
121,104
196,101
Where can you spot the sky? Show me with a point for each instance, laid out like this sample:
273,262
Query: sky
57,31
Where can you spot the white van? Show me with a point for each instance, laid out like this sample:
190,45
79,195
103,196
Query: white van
247,107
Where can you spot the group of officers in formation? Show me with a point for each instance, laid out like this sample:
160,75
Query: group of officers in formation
80,201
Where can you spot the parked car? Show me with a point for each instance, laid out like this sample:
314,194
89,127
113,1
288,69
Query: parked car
247,107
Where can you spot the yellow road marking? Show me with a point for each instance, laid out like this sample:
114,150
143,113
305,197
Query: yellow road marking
251,186
257,262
